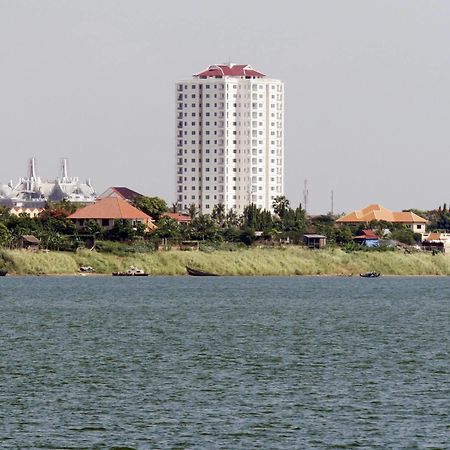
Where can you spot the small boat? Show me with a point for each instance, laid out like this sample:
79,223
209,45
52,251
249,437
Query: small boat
199,273
131,272
370,274
87,269
3,272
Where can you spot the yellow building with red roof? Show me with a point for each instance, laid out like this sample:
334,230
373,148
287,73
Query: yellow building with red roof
107,210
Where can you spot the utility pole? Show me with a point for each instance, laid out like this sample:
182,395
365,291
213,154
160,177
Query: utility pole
332,202
305,195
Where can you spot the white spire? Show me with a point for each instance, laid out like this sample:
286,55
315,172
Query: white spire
64,175
32,174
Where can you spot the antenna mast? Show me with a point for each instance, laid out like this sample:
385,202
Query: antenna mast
332,202
305,195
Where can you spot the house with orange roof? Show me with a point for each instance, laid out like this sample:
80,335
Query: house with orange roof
180,218
436,242
376,213
107,210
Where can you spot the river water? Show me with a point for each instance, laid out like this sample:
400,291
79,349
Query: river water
224,363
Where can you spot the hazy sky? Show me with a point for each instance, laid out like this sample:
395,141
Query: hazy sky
367,90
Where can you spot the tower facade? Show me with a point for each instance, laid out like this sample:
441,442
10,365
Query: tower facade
229,139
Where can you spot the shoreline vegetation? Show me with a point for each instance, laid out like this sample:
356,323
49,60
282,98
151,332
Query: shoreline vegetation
244,262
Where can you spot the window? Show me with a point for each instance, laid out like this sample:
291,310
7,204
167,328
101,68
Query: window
105,222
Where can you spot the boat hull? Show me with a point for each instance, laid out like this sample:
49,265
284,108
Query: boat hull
125,274
370,275
199,273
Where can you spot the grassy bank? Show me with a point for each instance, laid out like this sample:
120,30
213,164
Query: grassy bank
289,261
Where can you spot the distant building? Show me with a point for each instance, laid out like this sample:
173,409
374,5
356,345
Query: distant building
107,210
229,139
32,192
367,238
120,192
375,213
180,218
314,240
29,242
30,212
436,242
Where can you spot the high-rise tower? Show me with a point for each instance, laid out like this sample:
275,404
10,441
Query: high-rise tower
229,139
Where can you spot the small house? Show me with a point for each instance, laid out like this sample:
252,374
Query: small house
436,242
29,242
367,238
315,240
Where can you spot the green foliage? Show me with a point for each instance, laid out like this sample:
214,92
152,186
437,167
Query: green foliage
5,235
256,218
121,231
280,206
203,228
247,236
218,214
343,235
153,206
122,249
168,228
404,235
93,228
192,211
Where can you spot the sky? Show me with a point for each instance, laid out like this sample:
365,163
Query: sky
367,91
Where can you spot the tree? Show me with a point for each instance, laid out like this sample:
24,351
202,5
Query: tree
121,231
203,228
280,205
93,228
153,206
192,211
168,228
232,219
5,235
247,236
218,214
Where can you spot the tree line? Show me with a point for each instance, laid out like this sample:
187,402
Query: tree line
57,232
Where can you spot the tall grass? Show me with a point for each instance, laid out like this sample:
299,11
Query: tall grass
288,261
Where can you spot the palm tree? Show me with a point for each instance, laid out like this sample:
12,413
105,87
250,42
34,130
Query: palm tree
192,211
218,214
280,205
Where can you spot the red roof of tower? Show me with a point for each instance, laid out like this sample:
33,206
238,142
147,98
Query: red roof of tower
230,70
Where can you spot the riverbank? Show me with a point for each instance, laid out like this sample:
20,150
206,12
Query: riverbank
281,262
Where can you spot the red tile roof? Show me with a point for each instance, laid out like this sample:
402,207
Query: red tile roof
230,70
377,212
112,208
180,218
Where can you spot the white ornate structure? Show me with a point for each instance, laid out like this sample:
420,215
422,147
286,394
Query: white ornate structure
229,139
32,192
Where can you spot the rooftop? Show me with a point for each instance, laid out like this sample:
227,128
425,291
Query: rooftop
376,212
229,70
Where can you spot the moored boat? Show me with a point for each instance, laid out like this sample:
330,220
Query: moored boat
200,273
131,272
370,274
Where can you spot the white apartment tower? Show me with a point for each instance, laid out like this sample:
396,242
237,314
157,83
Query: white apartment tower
229,139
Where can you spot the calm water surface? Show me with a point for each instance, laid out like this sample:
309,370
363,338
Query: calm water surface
224,363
